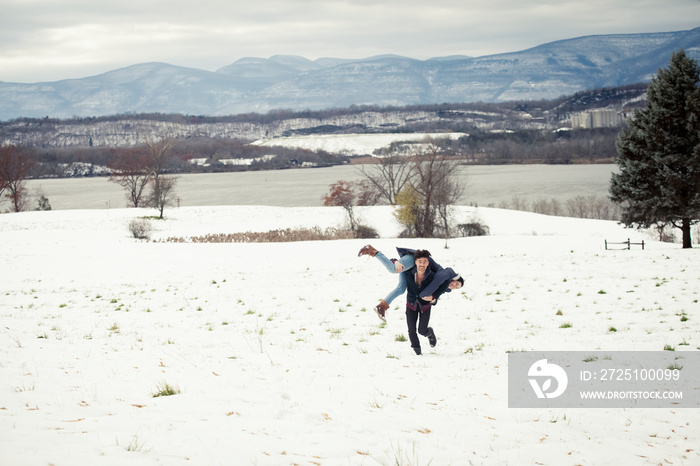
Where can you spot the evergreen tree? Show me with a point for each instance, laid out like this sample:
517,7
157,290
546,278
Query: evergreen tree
659,153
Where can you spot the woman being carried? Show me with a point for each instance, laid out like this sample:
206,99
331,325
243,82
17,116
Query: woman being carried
404,263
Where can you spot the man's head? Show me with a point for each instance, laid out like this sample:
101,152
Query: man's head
421,258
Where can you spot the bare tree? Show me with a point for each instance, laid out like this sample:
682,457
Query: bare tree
577,207
342,194
161,194
162,185
433,179
388,175
158,154
131,171
541,206
367,193
448,193
15,165
519,203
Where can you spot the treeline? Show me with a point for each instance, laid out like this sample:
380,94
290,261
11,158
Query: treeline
623,96
592,207
203,155
531,146
207,155
526,146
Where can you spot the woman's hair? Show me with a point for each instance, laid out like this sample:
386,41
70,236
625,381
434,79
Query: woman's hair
420,253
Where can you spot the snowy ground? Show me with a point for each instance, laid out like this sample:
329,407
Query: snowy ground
279,359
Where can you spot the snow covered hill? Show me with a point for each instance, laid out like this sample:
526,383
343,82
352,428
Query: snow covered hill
288,82
275,357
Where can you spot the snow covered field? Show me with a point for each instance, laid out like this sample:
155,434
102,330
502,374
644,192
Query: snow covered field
350,144
279,360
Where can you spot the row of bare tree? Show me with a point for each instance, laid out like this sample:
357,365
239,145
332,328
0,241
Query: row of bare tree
591,206
144,172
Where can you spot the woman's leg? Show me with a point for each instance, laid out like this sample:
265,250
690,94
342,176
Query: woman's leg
407,261
386,262
398,291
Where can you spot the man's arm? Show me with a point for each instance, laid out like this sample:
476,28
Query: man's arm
439,284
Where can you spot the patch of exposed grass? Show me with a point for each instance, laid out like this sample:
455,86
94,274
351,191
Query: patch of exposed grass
165,389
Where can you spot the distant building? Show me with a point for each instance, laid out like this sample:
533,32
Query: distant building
599,118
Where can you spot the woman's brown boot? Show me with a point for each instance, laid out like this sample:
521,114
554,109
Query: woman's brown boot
381,308
367,250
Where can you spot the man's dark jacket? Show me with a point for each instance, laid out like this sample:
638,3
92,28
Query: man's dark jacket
435,282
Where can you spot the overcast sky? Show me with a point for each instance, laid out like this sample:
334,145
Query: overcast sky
49,40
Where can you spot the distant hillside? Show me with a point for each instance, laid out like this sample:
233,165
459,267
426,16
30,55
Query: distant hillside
295,83
131,130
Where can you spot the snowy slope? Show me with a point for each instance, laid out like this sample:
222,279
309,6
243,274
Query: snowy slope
280,360
351,144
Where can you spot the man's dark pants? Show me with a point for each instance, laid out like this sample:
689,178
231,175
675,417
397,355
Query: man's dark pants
414,317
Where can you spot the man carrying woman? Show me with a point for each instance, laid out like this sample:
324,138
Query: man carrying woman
425,280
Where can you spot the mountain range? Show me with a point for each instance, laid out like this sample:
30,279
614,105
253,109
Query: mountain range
296,83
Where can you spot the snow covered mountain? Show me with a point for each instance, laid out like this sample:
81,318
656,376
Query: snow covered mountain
296,83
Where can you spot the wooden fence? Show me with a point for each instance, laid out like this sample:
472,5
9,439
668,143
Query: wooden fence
626,245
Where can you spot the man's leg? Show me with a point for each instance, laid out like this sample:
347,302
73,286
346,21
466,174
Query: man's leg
423,328
411,320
